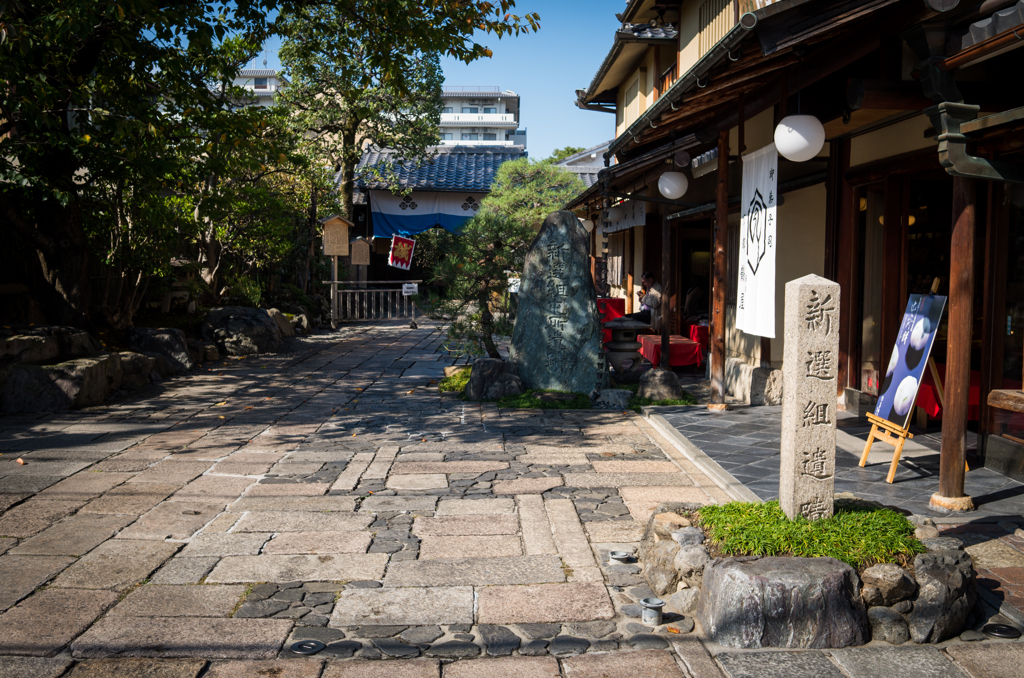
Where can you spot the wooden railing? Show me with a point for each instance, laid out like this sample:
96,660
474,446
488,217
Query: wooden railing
370,300
667,78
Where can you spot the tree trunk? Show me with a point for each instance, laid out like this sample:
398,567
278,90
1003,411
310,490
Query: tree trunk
66,266
348,170
487,325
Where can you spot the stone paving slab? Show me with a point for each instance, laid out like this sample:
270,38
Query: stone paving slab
989,660
570,540
25,520
404,606
641,500
26,485
293,503
508,667
615,531
179,601
183,637
642,664
131,498
445,467
431,481
219,489
421,456
807,664
180,570
544,603
319,542
465,525
377,503
566,457
172,520
677,479
175,471
348,479
6,543
335,567
83,486
905,662
61,468
9,500
302,521
468,507
288,490
225,544
475,571
138,668
117,564
73,536
47,621
33,667
634,467
495,546
21,575
279,668
361,668
537,536
525,485
695,656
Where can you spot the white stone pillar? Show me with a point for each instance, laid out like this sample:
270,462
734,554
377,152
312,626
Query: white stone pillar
810,372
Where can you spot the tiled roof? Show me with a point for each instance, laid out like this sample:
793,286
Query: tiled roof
587,174
258,72
991,26
457,94
648,32
454,168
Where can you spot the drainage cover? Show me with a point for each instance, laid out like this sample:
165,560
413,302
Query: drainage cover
1000,631
307,647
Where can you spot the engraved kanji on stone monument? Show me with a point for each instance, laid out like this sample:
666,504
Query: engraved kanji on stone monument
810,373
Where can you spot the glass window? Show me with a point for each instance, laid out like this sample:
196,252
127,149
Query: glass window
470,137
446,136
490,110
490,137
466,109
261,83
446,109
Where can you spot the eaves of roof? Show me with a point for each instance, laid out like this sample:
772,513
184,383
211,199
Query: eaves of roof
593,149
633,35
453,168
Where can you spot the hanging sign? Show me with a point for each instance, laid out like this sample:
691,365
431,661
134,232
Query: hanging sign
755,290
401,252
410,289
909,356
360,252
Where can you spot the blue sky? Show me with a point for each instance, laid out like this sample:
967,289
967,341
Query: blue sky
545,69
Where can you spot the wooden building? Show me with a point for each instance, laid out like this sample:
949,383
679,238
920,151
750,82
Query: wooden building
919,178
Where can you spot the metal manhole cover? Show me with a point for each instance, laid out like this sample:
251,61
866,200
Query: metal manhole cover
1000,631
307,647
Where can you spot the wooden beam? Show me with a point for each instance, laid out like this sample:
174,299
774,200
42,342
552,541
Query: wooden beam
872,94
846,266
666,295
958,351
721,241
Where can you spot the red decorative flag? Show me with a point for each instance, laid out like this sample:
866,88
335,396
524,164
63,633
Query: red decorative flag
401,252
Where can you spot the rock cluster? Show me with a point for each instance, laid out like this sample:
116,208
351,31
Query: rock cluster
239,330
492,379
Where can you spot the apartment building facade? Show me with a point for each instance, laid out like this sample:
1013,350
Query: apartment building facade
480,116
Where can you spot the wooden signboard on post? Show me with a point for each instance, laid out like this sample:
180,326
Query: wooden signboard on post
360,252
336,236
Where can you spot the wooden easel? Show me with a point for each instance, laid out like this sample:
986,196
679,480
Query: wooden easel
886,431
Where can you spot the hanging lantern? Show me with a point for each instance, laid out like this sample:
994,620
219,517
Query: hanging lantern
799,137
587,224
673,185
615,214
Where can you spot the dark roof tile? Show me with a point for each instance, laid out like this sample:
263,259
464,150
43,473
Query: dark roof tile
454,168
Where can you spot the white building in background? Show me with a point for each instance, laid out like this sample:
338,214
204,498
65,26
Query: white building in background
591,157
480,116
263,83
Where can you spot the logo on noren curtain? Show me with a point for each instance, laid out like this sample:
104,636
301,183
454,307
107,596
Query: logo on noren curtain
757,231
407,203
471,204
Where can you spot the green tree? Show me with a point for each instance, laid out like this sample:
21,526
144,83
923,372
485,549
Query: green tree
98,93
526,192
563,153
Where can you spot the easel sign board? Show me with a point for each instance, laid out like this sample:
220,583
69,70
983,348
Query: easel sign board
909,358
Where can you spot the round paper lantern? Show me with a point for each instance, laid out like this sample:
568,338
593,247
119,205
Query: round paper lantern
587,224
799,137
615,214
673,185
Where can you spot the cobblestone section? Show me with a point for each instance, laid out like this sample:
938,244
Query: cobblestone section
332,494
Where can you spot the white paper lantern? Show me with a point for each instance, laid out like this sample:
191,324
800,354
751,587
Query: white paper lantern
799,137
673,185
615,214
587,224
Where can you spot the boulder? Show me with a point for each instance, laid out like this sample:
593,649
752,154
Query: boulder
135,369
689,563
238,330
650,536
557,339
688,536
889,625
660,384
86,381
753,602
29,388
48,344
659,567
891,581
162,366
684,601
492,379
946,593
283,323
664,524
301,324
612,399
168,342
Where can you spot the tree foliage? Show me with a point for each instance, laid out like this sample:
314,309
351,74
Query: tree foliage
102,102
526,192
563,153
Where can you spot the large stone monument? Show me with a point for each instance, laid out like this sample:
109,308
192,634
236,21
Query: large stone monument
556,343
810,372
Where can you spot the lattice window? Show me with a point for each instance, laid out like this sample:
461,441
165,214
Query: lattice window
716,18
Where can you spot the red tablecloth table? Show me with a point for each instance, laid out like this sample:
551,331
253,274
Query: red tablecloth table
928,399
701,334
682,351
610,308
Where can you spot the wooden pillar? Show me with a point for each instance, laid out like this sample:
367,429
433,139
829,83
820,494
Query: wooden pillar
721,241
630,273
993,312
846,264
950,496
666,294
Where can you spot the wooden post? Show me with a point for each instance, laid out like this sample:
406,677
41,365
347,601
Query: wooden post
950,496
666,295
334,293
720,244
847,258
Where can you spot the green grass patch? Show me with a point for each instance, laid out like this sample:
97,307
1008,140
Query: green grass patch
456,382
859,537
529,400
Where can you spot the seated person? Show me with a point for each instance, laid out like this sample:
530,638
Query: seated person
650,302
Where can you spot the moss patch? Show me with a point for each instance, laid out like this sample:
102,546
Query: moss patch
859,537
456,382
529,400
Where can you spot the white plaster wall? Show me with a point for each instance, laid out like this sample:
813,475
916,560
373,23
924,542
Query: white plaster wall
902,137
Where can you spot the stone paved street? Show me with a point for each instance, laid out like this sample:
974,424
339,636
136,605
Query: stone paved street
330,493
